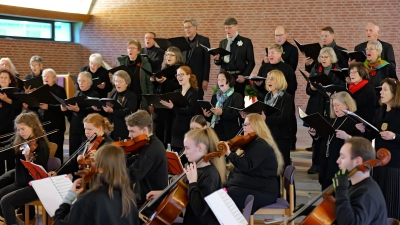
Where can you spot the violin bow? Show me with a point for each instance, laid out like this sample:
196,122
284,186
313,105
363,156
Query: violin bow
26,142
13,133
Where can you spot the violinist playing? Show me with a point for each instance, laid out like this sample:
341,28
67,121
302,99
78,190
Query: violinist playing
203,178
110,200
148,169
27,127
363,202
255,173
94,124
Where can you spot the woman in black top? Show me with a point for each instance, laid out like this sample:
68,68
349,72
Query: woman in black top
163,118
9,109
97,70
110,199
203,178
330,146
224,119
6,64
52,112
36,64
387,119
361,91
127,99
27,127
256,172
183,116
75,113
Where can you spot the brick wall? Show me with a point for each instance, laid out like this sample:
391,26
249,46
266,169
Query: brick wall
117,21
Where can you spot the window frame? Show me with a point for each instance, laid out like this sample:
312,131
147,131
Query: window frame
51,22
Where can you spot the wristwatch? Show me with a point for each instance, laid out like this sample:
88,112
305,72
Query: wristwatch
394,137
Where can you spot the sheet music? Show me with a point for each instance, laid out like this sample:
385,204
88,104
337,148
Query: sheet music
361,120
51,191
225,209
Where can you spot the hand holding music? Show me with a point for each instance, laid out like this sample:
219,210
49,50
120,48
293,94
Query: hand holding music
240,79
348,80
204,85
102,85
243,114
169,104
312,87
152,194
387,135
44,106
152,79
108,109
74,108
25,106
151,109
258,83
216,57
63,108
95,108
217,111
309,61
312,131
161,80
29,89
191,172
360,127
351,61
342,135
3,97
263,116
341,180
77,186
266,59
206,112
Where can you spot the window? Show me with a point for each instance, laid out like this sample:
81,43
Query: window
35,29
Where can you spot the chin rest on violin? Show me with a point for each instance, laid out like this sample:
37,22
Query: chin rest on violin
133,146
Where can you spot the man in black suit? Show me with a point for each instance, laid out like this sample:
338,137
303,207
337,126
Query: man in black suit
197,58
328,40
372,33
240,62
155,55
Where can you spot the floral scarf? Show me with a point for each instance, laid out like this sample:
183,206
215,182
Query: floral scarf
373,67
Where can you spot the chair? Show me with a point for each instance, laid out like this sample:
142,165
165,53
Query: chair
52,164
281,206
393,221
53,148
248,206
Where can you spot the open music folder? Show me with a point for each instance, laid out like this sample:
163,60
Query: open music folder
175,166
215,51
225,209
356,118
51,191
35,170
319,123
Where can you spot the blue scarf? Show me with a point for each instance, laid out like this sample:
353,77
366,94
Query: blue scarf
221,98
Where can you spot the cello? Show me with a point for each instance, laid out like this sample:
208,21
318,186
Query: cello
324,213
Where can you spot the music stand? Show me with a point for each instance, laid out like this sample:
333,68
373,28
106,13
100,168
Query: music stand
36,171
174,163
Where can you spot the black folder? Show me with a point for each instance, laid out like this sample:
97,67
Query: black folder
266,51
33,99
215,51
179,42
9,91
205,104
305,76
358,56
334,88
356,118
258,107
175,97
320,79
100,102
74,78
319,123
122,67
168,72
310,50
255,78
71,101
35,82
341,73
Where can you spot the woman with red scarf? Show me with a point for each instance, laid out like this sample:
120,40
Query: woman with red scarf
362,91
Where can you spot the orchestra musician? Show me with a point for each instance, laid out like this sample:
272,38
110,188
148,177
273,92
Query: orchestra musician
110,199
204,178
19,192
198,122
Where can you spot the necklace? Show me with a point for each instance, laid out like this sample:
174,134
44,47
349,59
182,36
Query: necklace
330,138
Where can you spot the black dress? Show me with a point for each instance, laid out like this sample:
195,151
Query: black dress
365,99
102,74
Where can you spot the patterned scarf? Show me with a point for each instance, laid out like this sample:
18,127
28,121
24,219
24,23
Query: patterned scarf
353,88
272,99
372,67
221,98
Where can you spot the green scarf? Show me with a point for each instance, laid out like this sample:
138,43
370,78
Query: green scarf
221,98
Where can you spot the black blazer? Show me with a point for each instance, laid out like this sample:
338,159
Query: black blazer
129,103
386,54
243,55
181,123
342,63
228,125
102,74
155,56
198,59
290,55
279,123
54,113
366,103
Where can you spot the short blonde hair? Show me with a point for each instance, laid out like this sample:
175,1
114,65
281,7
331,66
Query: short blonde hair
330,52
281,83
50,71
123,75
96,58
344,98
87,75
135,42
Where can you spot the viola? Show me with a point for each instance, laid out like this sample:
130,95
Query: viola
92,146
324,213
88,170
174,198
240,141
133,146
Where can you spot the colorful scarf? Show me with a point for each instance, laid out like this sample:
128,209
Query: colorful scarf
373,67
353,88
221,98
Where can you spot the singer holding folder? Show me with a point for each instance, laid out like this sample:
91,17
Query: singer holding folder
110,200
27,126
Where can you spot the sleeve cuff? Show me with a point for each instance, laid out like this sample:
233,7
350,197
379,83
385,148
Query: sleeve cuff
70,197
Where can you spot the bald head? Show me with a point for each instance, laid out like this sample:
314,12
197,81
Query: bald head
280,35
372,31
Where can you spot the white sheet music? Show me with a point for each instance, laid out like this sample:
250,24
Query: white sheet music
51,191
225,209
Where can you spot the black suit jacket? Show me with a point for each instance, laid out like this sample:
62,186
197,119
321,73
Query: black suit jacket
198,59
279,123
386,54
290,55
155,56
243,55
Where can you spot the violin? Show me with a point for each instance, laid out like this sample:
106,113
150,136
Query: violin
324,213
174,198
32,146
133,146
87,171
240,141
92,146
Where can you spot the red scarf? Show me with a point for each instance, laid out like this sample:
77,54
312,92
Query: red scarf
353,88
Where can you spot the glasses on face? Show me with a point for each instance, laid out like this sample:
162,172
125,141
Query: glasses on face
187,28
324,57
245,124
169,54
325,36
270,78
370,49
180,75
35,65
272,53
229,27
353,71
279,35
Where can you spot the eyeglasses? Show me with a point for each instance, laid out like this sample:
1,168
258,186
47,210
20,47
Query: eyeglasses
272,53
279,35
270,78
229,27
180,75
370,49
324,57
35,65
325,36
245,124
169,54
353,71
187,28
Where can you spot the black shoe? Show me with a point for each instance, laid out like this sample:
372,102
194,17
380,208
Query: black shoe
309,149
313,170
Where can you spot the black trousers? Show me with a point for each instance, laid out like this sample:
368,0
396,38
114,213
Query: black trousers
7,178
293,128
316,151
75,141
162,125
284,148
58,138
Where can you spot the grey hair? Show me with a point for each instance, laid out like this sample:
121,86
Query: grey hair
192,21
330,52
124,75
13,69
377,44
37,59
375,25
96,58
51,71
87,75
